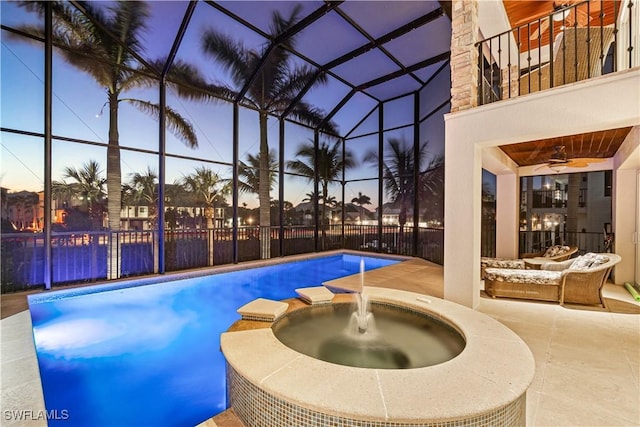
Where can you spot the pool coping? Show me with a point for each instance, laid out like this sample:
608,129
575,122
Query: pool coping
494,370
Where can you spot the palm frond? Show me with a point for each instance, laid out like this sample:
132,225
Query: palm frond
279,24
139,80
313,116
249,173
287,88
232,55
176,124
128,24
330,162
189,83
206,185
275,70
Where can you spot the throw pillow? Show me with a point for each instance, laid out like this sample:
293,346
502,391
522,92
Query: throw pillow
581,263
599,260
556,250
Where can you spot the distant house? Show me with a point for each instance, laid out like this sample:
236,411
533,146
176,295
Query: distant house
24,209
358,215
180,211
354,214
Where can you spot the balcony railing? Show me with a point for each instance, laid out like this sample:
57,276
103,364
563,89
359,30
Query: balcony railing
79,257
571,44
539,241
549,199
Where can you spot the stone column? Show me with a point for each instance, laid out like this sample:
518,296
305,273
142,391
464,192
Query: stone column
463,169
464,55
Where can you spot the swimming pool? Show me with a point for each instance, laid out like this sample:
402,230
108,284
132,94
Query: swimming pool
150,355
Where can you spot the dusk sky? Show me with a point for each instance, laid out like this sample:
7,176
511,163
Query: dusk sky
78,99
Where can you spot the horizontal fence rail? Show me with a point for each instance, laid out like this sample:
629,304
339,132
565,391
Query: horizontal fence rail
564,47
539,241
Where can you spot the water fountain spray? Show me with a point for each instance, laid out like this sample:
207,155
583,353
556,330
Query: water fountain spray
362,313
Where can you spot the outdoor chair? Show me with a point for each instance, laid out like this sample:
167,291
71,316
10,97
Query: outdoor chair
576,281
529,260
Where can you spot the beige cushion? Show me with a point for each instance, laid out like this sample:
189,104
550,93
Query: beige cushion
501,263
263,309
315,295
534,277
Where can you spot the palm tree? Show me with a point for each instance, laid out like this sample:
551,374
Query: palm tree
87,185
250,176
431,189
331,201
361,200
271,92
144,188
397,174
310,197
94,42
208,188
330,166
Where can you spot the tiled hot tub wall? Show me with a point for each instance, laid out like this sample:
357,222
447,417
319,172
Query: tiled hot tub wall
257,408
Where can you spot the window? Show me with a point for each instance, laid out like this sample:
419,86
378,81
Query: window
607,183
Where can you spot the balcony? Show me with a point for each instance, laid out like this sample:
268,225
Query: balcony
571,44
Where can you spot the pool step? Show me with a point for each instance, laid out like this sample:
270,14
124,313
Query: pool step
227,418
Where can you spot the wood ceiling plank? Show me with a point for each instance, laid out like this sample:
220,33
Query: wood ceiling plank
523,12
601,144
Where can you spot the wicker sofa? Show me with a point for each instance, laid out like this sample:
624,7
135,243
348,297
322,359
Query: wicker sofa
577,281
553,253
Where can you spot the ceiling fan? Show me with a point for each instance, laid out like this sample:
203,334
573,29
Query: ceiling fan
563,11
559,161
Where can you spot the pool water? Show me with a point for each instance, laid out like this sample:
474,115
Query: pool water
150,355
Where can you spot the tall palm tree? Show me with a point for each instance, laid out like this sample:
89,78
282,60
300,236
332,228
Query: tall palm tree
87,184
99,41
397,174
94,42
330,163
270,92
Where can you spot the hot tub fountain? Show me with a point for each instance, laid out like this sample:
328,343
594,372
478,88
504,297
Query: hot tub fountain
379,336
410,360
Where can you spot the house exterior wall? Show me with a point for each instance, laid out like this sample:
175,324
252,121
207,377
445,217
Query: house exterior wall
463,173
626,208
507,215
606,102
